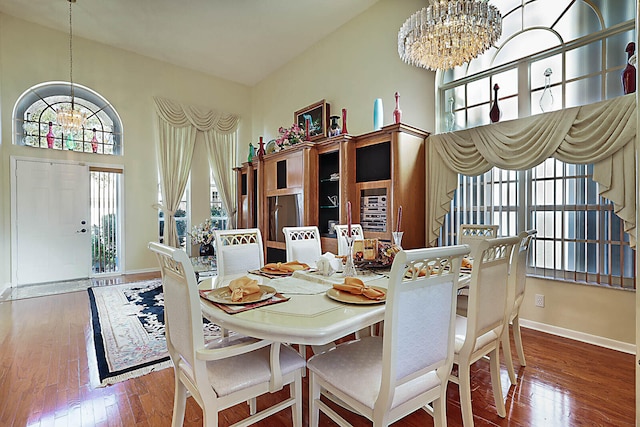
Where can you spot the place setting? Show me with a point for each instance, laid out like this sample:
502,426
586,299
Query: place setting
242,294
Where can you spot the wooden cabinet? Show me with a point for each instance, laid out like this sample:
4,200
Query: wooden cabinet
247,195
389,168
311,183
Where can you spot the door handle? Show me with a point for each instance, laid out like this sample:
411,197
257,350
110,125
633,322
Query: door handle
84,230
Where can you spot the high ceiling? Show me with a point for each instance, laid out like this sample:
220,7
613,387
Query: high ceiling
238,40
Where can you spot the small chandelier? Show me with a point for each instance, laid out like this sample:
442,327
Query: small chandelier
70,118
449,33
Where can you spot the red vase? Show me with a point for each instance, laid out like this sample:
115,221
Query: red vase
261,149
344,121
629,73
397,113
94,142
50,136
495,114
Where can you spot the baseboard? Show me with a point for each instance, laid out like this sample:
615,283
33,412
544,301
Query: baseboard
580,336
143,270
5,287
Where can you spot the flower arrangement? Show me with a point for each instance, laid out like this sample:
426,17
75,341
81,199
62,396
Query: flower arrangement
202,234
290,136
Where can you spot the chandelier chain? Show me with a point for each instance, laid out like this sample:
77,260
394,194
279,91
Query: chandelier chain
71,53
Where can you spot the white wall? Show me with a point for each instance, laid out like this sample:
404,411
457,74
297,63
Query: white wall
129,82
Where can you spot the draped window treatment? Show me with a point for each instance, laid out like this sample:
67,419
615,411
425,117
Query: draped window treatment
177,126
602,133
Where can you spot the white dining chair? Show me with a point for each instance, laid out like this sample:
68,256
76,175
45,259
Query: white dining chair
303,244
472,234
238,251
480,332
517,284
342,231
385,378
222,373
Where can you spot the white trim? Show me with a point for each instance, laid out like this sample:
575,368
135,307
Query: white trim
143,270
624,347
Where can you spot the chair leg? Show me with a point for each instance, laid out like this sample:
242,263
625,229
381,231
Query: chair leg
464,384
314,394
179,403
440,409
506,350
496,384
252,406
295,391
518,340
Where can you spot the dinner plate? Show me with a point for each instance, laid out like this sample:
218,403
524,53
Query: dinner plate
349,298
223,295
271,147
282,273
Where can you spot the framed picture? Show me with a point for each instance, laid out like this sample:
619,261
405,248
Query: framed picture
317,115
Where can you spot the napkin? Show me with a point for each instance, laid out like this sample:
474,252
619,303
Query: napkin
242,287
466,263
355,286
423,271
285,267
328,264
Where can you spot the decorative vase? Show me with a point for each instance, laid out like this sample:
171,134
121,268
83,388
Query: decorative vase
207,250
252,152
546,99
334,127
94,142
451,116
495,113
344,121
377,114
629,73
349,269
397,113
261,149
71,144
50,136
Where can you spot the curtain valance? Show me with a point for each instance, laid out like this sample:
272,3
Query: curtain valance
179,115
602,133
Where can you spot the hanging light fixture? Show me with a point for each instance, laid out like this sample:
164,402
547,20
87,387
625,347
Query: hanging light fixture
70,118
449,33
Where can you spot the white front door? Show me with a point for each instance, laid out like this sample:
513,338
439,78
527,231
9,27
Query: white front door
53,238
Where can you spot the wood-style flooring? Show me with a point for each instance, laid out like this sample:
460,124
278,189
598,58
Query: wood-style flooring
48,378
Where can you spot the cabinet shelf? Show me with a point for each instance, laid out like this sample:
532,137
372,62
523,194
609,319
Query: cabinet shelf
323,180
329,207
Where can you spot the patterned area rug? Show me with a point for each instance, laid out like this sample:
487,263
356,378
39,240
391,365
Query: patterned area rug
128,330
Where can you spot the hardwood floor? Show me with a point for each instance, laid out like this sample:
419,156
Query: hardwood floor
48,378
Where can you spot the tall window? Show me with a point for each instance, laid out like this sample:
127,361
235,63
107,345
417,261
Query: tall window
35,120
182,217
553,54
218,215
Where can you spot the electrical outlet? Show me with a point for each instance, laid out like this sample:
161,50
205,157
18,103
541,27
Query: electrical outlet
539,300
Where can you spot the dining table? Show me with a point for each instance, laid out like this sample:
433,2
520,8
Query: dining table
311,315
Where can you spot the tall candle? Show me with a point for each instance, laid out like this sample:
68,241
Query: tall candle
349,219
399,218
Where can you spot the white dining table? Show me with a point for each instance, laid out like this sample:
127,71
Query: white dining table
313,319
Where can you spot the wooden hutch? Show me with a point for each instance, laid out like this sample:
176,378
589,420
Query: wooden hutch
310,184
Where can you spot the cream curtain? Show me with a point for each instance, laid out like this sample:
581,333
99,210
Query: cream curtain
602,133
178,125
221,149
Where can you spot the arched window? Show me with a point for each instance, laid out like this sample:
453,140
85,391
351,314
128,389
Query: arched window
35,115
552,54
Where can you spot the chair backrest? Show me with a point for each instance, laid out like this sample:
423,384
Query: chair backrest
487,307
518,269
239,251
419,322
341,233
303,244
182,312
472,234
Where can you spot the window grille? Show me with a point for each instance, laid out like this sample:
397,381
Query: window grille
579,237
36,109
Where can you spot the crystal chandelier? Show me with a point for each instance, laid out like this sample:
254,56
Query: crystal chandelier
448,33
70,118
